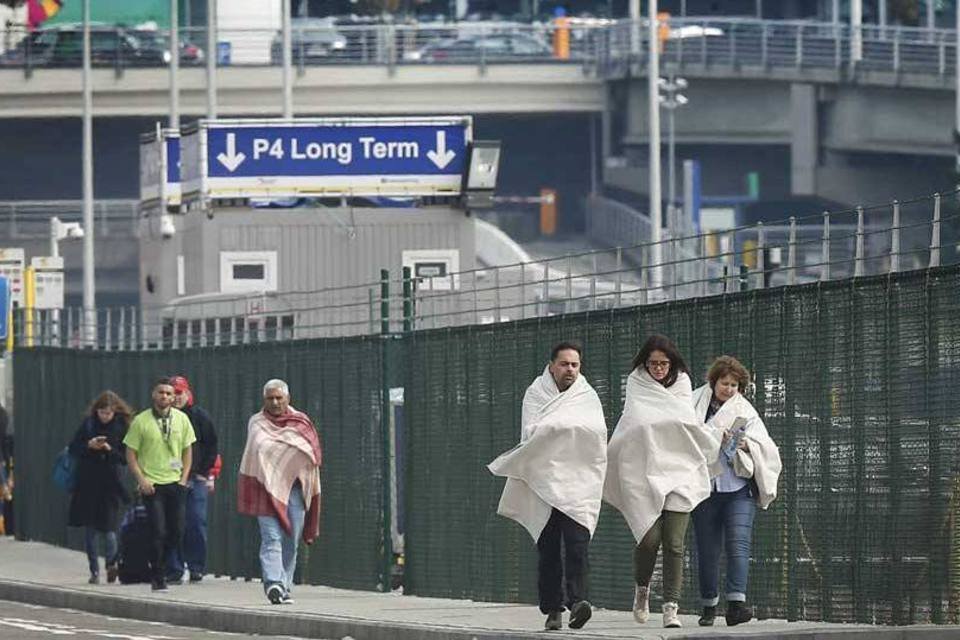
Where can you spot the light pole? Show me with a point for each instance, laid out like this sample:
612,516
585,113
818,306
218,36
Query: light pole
653,78
212,59
174,66
671,100
287,58
89,293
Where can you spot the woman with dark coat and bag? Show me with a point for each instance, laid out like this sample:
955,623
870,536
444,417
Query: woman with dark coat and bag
100,492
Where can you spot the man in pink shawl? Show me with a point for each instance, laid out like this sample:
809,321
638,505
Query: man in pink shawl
280,484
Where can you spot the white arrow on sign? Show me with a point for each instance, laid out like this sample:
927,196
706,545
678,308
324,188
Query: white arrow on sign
231,159
442,156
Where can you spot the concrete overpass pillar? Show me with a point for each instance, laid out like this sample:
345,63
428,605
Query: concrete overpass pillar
804,139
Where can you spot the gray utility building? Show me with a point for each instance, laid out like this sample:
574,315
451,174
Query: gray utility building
233,273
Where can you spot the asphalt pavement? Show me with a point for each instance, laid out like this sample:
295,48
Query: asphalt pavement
49,576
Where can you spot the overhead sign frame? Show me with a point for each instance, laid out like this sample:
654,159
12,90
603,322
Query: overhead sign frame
160,167
325,157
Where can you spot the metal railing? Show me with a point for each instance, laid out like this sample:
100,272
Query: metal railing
603,46
31,218
864,241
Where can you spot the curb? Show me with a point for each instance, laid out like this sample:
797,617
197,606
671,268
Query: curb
305,625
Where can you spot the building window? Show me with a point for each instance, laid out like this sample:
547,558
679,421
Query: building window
248,271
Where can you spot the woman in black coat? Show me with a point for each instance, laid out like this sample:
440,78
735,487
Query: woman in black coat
100,492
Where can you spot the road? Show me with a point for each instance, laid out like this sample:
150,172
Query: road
31,622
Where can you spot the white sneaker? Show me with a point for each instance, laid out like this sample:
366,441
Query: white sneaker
641,604
670,618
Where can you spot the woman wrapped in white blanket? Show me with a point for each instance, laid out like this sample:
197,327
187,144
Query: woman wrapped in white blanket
658,469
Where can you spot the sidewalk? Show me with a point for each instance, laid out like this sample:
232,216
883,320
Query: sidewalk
46,575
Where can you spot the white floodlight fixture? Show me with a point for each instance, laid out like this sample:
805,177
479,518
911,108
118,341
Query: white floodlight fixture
480,178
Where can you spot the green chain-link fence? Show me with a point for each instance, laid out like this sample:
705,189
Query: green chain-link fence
337,382
854,379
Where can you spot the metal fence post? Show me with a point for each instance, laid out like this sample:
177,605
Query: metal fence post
858,265
792,253
896,51
372,310
895,239
407,303
619,281
935,230
546,286
496,293
385,465
761,257
763,45
523,290
798,58
703,264
825,249
384,301
731,277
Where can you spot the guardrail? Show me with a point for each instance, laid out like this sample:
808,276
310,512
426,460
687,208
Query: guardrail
31,218
601,46
858,242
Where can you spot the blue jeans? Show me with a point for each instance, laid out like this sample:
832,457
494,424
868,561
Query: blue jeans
194,554
278,551
724,520
90,544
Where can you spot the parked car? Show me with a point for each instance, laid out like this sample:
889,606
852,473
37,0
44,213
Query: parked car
190,54
492,47
62,46
312,40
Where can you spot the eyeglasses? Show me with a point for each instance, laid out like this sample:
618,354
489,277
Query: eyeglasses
658,364
165,427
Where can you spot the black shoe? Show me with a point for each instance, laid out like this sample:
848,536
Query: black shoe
738,613
580,612
112,573
94,579
196,576
159,585
275,594
709,615
554,621
172,580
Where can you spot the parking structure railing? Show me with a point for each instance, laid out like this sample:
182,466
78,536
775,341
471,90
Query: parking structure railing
870,240
604,47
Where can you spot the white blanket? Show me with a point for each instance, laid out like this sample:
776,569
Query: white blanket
561,459
762,460
659,453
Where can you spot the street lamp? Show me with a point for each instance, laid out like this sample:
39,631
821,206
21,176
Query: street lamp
671,99
60,230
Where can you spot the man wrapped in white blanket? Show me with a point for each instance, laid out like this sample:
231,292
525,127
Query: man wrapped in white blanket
555,480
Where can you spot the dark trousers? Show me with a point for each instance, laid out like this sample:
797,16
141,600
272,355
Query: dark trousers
165,513
194,554
567,566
